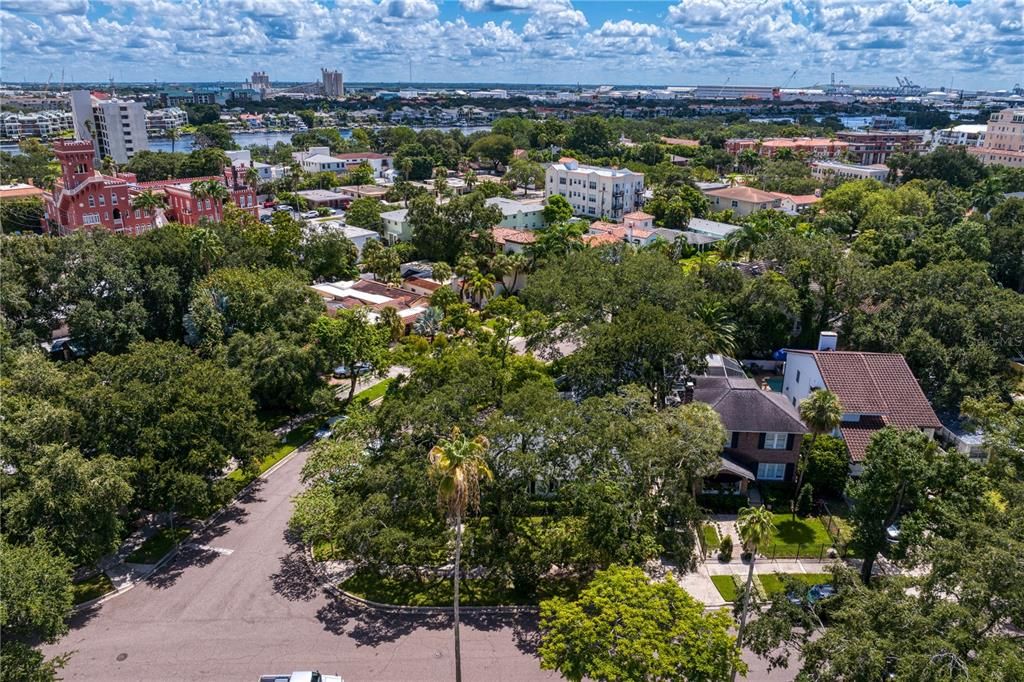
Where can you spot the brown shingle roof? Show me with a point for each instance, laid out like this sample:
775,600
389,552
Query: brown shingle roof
858,434
876,383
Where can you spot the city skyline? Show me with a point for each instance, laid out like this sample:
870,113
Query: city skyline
967,45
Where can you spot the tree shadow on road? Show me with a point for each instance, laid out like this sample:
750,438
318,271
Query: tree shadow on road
81,617
522,625
370,627
189,556
296,580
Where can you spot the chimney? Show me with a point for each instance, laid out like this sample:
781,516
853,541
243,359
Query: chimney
828,341
688,392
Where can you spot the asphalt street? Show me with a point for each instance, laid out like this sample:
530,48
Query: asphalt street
241,601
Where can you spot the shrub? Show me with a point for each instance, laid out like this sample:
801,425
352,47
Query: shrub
828,466
725,549
722,504
805,502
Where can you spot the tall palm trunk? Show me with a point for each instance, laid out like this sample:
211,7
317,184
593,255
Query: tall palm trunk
458,561
746,605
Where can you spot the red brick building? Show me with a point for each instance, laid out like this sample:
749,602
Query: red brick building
84,198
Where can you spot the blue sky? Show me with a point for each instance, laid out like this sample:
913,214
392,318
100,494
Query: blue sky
965,44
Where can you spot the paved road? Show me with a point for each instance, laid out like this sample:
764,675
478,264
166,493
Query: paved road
240,602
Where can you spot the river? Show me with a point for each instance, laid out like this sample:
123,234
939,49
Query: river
269,139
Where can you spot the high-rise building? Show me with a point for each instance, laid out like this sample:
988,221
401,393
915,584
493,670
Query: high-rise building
260,81
118,127
1004,140
333,83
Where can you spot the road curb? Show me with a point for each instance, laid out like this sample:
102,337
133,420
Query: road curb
173,552
328,584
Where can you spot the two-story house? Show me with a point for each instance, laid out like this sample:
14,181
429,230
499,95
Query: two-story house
763,429
875,390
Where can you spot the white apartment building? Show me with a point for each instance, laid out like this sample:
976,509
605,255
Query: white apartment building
1004,140
594,191
964,135
823,170
165,119
118,127
319,160
42,124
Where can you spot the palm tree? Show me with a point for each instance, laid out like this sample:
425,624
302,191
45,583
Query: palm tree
743,241
391,322
822,412
206,247
500,267
173,135
252,177
470,179
986,194
150,202
428,323
556,240
458,463
517,264
465,267
215,191
723,332
442,272
480,286
108,166
755,526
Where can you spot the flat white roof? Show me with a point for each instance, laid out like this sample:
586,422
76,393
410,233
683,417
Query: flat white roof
597,170
345,290
395,215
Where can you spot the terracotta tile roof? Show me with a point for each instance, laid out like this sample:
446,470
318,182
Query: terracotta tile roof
603,226
876,383
15,191
639,215
858,434
504,235
741,193
600,239
799,199
680,142
428,284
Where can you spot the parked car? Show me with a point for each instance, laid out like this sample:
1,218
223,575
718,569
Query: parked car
282,207
301,676
813,595
310,214
266,218
327,429
343,372
892,533
269,204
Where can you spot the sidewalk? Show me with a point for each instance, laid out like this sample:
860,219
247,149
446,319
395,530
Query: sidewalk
698,584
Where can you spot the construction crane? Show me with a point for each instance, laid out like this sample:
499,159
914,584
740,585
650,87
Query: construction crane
723,87
790,79
46,90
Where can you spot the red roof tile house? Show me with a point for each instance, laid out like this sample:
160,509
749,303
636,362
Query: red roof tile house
875,390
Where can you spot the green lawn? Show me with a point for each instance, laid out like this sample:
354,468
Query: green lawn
794,536
374,392
92,588
478,592
153,549
711,539
773,584
725,586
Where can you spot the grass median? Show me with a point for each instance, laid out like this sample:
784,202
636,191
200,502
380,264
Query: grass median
153,549
409,591
92,588
796,537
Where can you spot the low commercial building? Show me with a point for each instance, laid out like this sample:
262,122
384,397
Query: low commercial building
324,198
796,204
964,135
595,191
815,147
42,124
875,146
827,170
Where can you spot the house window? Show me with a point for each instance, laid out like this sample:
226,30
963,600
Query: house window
207,204
138,213
113,199
771,471
561,181
91,219
735,204
103,202
92,202
775,441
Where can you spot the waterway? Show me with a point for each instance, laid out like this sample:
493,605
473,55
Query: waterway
185,143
